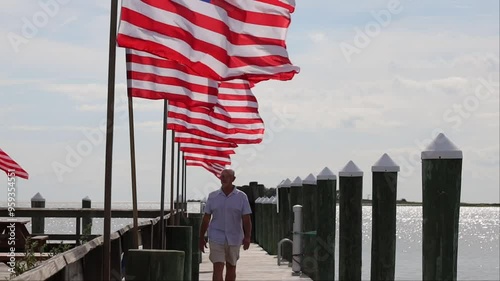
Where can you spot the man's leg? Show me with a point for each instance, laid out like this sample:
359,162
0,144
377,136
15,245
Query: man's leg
218,270
230,272
232,256
217,257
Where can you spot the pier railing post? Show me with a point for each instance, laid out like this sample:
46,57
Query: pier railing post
384,190
86,220
326,211
441,184
38,222
310,199
287,211
297,240
350,231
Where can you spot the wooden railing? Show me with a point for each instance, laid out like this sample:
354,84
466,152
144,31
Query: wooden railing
85,262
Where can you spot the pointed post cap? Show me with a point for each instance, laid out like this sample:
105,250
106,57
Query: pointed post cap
310,180
326,174
286,183
257,200
350,170
274,201
442,148
86,199
385,164
279,185
37,197
297,182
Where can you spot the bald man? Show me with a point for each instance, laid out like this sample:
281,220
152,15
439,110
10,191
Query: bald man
227,218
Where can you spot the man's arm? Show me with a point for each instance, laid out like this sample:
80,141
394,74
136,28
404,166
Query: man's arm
247,228
203,230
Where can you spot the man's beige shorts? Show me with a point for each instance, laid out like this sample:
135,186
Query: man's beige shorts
224,253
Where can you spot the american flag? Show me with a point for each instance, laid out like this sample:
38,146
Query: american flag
152,77
213,168
235,118
220,39
8,164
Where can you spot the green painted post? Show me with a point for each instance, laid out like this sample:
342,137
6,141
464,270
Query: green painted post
275,227
310,199
384,191
262,190
180,238
441,188
265,218
254,191
38,222
194,220
350,231
86,221
326,213
155,265
288,217
258,213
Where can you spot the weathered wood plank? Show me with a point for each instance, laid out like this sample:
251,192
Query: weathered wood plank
77,212
254,264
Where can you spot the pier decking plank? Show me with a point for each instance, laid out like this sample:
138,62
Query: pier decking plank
254,264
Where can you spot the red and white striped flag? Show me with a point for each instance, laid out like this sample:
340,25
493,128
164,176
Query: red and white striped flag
221,160
213,168
152,77
189,138
206,149
220,39
235,118
8,164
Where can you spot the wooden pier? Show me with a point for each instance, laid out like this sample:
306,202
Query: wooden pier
254,264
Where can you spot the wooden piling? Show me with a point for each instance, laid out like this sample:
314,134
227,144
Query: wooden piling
288,214
310,199
326,212
38,222
180,238
441,188
384,191
86,220
350,231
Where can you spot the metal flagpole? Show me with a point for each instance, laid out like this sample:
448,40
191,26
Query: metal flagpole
172,221
135,232
106,272
184,181
163,164
179,198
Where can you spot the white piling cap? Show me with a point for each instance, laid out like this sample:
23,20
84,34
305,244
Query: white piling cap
38,197
266,200
442,148
286,183
257,200
86,199
279,185
326,174
351,170
310,179
275,201
385,164
297,182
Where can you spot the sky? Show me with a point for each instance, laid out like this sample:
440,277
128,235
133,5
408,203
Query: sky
376,77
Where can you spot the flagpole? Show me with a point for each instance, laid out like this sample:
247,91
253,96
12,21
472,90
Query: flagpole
163,168
179,199
133,172
184,180
106,272
172,221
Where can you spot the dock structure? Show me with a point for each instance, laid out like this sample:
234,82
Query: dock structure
254,264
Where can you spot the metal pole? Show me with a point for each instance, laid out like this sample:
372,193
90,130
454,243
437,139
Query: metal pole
106,272
172,221
184,174
135,233
179,200
163,164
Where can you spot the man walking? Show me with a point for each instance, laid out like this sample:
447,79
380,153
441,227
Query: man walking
230,226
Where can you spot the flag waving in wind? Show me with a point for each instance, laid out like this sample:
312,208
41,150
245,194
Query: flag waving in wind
219,39
7,164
